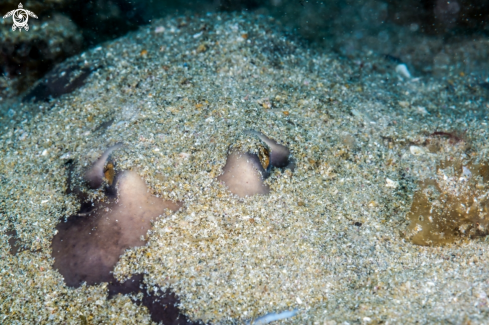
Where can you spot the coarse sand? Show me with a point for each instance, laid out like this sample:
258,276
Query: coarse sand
330,239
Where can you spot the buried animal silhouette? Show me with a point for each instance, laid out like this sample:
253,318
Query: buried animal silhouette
245,172
88,245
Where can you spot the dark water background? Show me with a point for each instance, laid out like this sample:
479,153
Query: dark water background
430,36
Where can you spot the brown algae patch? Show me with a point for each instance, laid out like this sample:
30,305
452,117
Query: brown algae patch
451,206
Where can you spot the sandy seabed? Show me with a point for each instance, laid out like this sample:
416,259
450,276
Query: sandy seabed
330,239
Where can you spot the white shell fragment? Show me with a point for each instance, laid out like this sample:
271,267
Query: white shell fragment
417,151
466,172
159,29
422,110
391,183
402,69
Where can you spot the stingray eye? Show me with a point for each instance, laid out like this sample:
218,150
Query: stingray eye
264,156
278,154
109,173
250,162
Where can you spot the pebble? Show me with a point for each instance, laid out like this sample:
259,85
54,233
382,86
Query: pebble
403,70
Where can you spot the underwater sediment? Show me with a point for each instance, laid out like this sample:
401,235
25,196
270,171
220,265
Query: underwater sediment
329,231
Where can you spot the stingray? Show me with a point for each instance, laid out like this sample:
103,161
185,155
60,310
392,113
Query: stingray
95,174
14,242
244,173
88,245
61,80
162,308
279,154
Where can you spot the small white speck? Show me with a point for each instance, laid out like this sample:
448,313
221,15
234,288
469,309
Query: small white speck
422,110
391,183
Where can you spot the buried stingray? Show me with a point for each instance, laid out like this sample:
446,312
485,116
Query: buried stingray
245,172
88,245
244,175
